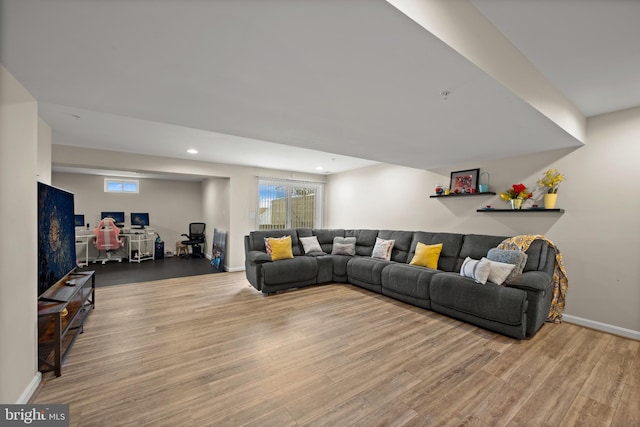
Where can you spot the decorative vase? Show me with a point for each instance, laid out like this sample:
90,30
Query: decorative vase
516,203
550,200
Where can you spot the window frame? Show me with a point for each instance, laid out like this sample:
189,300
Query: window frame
291,186
123,183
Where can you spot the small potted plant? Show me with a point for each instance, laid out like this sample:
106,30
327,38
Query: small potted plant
516,195
550,181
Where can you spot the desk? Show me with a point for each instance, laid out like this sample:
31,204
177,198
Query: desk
139,241
83,239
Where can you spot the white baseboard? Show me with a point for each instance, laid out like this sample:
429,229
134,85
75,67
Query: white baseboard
615,330
233,269
31,388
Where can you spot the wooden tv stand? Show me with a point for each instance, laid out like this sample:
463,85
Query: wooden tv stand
57,330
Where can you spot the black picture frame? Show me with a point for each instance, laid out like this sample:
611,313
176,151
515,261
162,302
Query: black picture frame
465,181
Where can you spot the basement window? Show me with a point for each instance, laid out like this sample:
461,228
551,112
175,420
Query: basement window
284,203
121,185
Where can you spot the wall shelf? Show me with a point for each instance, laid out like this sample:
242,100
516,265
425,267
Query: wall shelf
454,195
520,210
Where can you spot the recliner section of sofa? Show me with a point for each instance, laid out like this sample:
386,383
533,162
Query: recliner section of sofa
518,309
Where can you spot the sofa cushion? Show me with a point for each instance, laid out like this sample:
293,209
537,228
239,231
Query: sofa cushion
407,280
365,240
498,271
476,270
402,243
491,302
310,244
427,255
451,244
294,270
280,248
366,270
382,249
344,246
339,267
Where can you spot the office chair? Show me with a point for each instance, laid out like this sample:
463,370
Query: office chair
195,237
107,239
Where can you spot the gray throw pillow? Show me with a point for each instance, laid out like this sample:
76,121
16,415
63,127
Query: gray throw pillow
310,244
344,246
517,258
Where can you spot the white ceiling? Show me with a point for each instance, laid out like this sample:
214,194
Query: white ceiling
297,85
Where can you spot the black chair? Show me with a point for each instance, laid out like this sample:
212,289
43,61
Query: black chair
196,236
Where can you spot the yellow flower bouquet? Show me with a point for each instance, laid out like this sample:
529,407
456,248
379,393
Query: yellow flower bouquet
550,181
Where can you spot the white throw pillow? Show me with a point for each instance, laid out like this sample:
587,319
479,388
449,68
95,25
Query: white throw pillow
499,271
382,249
310,244
476,270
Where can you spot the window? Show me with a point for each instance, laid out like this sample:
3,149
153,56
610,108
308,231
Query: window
286,203
120,185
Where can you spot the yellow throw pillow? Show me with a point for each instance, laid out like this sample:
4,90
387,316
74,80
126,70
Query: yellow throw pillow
280,248
427,255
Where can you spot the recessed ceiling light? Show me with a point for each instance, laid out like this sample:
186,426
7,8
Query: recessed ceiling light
319,168
192,151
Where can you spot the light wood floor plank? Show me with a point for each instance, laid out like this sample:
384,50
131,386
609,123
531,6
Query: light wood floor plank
212,351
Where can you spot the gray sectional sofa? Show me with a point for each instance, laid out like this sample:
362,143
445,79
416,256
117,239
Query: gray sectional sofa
518,308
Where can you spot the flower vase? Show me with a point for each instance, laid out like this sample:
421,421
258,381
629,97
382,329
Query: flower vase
550,200
516,204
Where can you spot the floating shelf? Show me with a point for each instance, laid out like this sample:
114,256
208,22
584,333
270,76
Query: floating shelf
486,193
520,210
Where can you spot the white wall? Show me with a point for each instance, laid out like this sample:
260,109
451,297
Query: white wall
171,204
599,235
44,152
215,201
18,228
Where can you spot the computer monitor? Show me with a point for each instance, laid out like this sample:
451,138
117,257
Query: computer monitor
139,219
118,217
78,220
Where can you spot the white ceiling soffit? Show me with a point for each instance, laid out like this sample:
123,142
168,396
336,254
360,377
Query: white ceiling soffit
355,78
589,49
91,129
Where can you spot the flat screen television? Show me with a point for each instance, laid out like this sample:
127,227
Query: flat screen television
78,220
56,236
139,219
118,217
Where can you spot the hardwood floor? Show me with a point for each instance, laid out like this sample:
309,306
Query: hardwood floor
212,351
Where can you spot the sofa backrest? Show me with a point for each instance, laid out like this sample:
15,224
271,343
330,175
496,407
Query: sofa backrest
476,246
402,243
540,257
365,240
256,239
325,237
451,246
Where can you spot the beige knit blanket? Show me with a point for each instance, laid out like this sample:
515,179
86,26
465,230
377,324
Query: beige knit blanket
559,280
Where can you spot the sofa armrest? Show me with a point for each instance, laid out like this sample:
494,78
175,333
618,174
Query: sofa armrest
258,257
531,281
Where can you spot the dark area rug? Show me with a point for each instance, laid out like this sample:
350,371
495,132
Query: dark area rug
117,273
